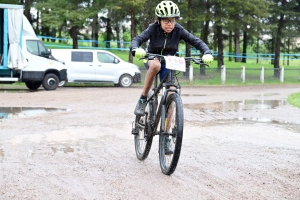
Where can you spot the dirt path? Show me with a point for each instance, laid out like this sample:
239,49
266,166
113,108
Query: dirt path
239,143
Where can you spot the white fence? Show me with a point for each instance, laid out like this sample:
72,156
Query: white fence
242,75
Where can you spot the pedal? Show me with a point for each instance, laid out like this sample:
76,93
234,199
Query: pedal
134,132
169,134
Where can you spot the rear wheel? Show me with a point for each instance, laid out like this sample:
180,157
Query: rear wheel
33,85
143,139
171,130
50,82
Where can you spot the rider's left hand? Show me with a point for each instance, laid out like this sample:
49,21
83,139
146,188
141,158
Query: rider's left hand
207,58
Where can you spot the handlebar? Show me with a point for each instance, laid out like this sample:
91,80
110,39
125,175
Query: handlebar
151,56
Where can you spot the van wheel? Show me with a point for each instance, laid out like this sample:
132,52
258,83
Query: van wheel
33,85
125,80
50,82
62,83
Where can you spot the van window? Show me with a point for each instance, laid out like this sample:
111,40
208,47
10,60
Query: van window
36,47
105,57
78,56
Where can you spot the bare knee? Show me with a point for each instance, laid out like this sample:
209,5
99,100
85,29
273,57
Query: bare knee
154,65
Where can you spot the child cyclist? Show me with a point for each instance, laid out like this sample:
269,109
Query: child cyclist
164,36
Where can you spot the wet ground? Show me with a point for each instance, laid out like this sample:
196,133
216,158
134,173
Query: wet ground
75,143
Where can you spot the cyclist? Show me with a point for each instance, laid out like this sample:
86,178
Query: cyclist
164,36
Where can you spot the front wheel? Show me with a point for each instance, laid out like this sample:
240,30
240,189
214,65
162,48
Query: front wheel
125,80
171,134
50,82
33,85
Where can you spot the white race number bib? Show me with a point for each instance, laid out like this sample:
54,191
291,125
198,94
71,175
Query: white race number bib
175,63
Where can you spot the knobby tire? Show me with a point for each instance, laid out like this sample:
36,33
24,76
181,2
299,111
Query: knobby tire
168,163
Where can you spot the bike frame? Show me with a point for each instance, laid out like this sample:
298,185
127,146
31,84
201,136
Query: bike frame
165,84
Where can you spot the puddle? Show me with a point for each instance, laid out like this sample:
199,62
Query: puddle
238,106
227,106
269,94
292,126
16,112
193,95
267,120
65,149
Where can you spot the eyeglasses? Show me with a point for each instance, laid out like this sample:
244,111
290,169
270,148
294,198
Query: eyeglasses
166,21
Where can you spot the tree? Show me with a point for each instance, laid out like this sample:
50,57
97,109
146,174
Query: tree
11,2
286,13
219,19
245,19
95,7
59,13
133,8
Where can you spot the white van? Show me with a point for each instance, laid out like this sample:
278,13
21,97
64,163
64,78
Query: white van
97,66
23,57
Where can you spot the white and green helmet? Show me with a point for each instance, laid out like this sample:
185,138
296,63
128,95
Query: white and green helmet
167,9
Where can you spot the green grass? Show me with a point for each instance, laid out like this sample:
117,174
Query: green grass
294,99
213,74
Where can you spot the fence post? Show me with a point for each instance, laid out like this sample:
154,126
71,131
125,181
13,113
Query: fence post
243,75
223,74
262,74
282,74
191,73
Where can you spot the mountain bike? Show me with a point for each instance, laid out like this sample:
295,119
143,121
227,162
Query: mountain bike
164,117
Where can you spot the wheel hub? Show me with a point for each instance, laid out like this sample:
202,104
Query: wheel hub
51,81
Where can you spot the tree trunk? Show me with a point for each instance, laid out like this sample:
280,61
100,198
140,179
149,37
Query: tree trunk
37,29
27,11
133,32
206,25
60,33
230,46
237,46
215,39
277,46
46,32
257,49
95,28
288,51
188,46
53,34
117,29
245,42
73,33
108,33
220,46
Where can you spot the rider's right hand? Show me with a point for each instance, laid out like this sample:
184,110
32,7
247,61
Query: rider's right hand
207,58
139,52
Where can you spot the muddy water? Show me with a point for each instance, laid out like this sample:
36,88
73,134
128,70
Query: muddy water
227,106
246,105
16,112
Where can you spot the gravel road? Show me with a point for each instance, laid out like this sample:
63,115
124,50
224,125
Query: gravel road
76,143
